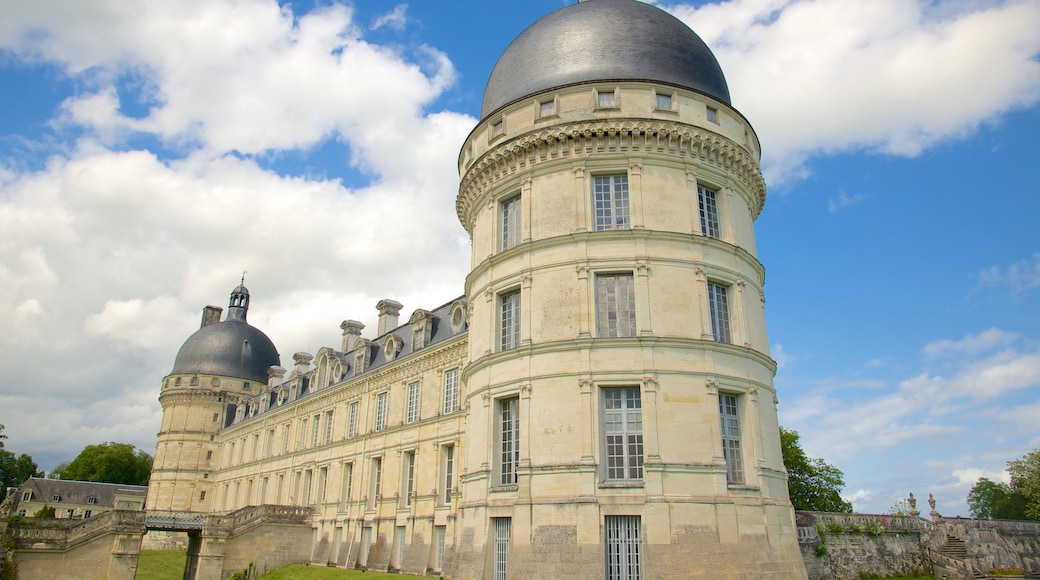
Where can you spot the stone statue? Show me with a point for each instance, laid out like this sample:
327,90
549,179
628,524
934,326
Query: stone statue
913,505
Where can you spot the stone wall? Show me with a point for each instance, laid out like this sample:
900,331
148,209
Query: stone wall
105,546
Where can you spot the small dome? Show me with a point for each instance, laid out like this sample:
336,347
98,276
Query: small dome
232,348
603,41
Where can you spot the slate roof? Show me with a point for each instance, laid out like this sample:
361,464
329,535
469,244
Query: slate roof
76,492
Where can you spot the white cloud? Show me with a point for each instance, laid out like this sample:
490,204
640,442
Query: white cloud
892,76
1019,277
395,19
970,344
843,200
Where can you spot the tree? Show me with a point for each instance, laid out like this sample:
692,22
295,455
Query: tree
1017,500
15,469
812,483
109,463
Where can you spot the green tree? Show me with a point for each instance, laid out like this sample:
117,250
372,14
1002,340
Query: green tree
813,484
15,469
1017,500
45,512
109,463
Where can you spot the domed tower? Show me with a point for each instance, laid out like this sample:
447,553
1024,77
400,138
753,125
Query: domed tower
622,415
221,363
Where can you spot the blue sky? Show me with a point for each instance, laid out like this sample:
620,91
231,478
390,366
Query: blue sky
150,152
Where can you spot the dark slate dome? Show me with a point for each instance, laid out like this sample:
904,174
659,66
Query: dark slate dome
232,348
603,40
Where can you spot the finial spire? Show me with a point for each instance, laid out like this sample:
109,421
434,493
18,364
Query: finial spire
243,282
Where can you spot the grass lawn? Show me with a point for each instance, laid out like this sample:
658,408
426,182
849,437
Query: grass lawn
161,565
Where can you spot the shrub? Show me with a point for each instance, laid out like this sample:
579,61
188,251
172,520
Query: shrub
835,528
875,529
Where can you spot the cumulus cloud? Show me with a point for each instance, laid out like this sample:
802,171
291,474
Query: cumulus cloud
891,76
971,344
1020,277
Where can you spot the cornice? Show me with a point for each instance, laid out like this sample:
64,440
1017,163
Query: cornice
608,136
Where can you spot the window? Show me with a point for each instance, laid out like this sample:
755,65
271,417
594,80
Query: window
245,386
285,438
503,534
615,305
269,445
399,535
718,308
508,440
449,474
87,514
56,497
302,439
610,197
209,455
215,415
409,479
412,412
366,545
194,382
380,411
451,391
663,101
26,495
713,115
348,481
92,500
498,128
256,445
624,561
374,482
707,200
606,98
509,223
731,438
623,433
328,427
316,431
352,424
439,535
323,480
547,108
509,321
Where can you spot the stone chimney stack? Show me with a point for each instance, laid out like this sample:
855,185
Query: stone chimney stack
211,315
302,361
388,313
351,332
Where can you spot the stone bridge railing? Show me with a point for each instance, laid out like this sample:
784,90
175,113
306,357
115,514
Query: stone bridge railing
242,518
63,534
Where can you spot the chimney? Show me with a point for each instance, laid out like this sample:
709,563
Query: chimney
302,361
211,315
388,312
274,375
351,333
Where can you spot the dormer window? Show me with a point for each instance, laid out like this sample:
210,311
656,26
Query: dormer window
457,317
26,495
92,500
55,497
391,346
422,329
360,356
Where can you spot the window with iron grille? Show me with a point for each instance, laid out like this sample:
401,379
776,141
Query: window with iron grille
730,420
610,202
615,305
509,320
503,531
451,391
380,411
509,223
624,557
708,202
718,308
623,433
508,440
412,412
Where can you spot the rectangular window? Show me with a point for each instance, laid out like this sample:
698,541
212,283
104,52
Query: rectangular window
412,413
449,474
26,495
399,535
348,482
263,491
610,200
707,199
718,308
87,513
308,487
380,411
269,444
606,99
301,440
316,431
440,534
547,108
366,545
508,440
509,223
615,305
731,438
375,482
664,101
408,478
328,427
509,321
352,424
451,391
323,481
503,531
623,433
256,445
713,115
285,438
624,561
231,454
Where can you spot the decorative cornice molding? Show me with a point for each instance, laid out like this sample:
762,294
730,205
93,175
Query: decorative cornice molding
608,136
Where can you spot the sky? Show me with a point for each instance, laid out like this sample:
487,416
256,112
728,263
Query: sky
150,152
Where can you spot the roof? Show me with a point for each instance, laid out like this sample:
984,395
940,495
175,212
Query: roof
603,40
232,348
77,492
